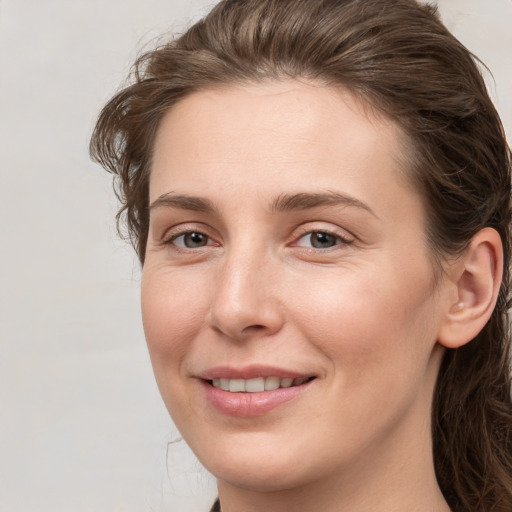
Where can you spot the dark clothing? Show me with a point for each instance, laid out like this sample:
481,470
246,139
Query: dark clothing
216,506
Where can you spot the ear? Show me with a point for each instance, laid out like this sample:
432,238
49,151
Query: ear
476,279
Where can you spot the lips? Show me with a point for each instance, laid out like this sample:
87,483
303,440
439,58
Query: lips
252,391
250,372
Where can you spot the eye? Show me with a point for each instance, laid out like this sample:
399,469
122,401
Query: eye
320,240
191,240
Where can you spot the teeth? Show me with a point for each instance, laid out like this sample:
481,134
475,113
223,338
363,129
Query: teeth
256,385
272,383
286,383
236,385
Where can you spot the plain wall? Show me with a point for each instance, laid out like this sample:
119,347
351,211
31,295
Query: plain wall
82,426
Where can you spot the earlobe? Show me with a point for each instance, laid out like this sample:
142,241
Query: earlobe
477,278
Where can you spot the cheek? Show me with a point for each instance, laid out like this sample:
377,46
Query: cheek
377,335
370,320
173,311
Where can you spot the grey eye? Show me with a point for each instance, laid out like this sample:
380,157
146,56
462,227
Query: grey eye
191,240
319,240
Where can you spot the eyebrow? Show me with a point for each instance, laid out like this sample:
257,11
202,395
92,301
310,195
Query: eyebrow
283,203
183,202
307,200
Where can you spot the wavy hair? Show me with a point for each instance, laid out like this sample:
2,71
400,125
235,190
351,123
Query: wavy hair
398,57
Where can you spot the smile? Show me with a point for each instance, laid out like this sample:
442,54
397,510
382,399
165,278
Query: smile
252,391
257,384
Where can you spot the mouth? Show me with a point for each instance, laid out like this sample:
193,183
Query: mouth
258,384
254,390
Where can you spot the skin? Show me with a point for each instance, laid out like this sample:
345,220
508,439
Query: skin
363,316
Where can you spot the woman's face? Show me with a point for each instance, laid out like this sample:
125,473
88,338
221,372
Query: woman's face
287,249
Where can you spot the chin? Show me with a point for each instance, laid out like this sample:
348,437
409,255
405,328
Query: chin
259,476
259,462
262,472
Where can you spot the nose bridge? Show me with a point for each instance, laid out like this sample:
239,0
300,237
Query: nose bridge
245,301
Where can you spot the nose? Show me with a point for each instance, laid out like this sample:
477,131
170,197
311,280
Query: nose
245,302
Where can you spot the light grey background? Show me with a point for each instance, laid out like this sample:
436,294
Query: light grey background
82,426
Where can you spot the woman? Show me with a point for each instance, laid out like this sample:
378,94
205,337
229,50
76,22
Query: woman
319,193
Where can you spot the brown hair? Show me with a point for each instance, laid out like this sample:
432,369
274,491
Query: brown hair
397,56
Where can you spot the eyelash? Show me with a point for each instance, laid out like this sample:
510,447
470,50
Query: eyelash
171,240
338,239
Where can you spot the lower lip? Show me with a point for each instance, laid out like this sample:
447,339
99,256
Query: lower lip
251,404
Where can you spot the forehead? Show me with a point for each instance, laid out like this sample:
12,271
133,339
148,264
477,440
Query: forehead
276,136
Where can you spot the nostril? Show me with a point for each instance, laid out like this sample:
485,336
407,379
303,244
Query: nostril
256,327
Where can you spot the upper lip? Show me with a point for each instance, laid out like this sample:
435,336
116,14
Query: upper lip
251,372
